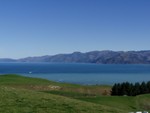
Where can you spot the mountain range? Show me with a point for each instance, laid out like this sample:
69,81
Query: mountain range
99,57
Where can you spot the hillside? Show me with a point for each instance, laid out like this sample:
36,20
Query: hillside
32,95
100,57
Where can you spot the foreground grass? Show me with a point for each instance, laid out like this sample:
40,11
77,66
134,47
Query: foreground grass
20,94
125,103
26,101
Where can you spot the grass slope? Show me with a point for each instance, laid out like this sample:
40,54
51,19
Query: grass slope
19,94
125,103
26,101
42,84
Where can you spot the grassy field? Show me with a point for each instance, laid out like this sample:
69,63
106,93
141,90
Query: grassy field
20,94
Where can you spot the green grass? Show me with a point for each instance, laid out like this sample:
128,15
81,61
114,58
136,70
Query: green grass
19,94
113,101
143,101
125,103
42,84
26,101
11,79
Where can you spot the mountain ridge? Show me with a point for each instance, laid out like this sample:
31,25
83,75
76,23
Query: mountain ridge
99,57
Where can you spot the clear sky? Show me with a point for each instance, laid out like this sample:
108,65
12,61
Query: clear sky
48,27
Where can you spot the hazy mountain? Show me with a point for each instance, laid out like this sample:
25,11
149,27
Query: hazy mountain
7,60
102,57
35,59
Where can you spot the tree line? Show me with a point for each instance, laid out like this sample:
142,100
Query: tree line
130,89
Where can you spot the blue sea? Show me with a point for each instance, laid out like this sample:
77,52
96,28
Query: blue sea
80,73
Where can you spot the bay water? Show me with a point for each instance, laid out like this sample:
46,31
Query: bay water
80,73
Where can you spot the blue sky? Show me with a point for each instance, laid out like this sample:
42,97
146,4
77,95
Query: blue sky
47,27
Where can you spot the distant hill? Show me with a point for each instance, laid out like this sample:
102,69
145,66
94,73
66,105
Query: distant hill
7,60
100,57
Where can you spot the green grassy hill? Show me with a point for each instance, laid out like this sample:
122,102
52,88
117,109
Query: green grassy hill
20,94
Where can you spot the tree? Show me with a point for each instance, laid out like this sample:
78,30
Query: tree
136,89
148,86
114,90
130,89
143,88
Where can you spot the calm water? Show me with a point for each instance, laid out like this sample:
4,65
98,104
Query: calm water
80,73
